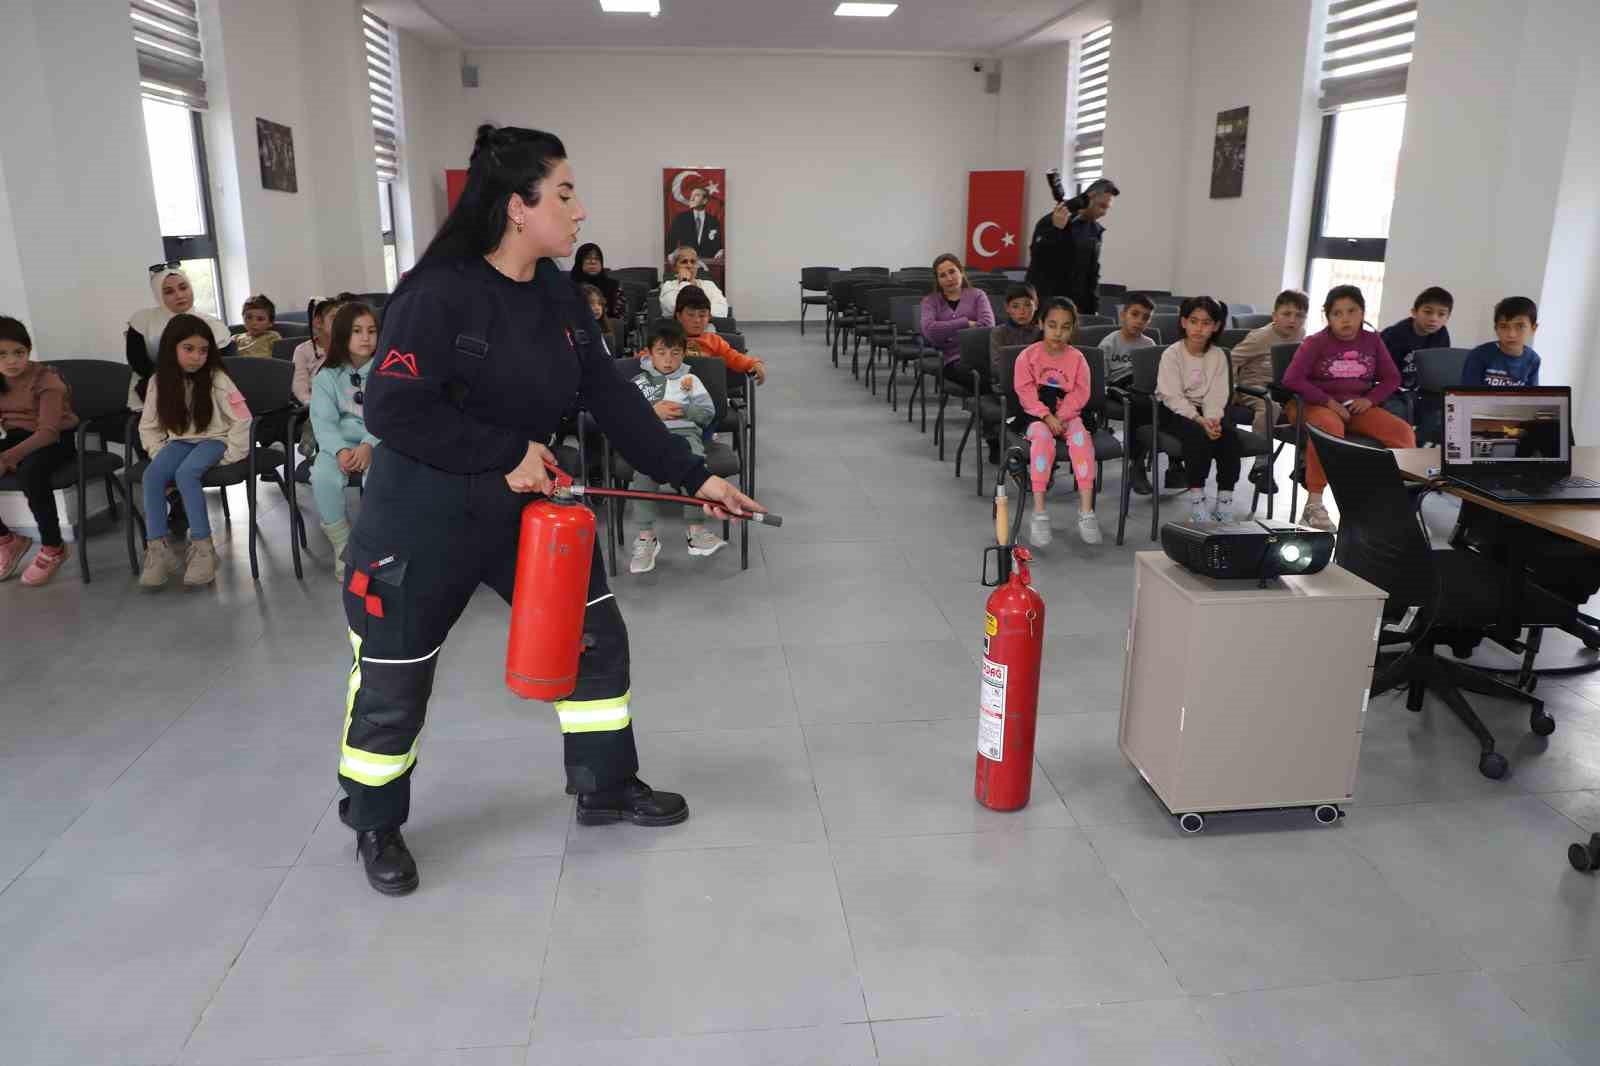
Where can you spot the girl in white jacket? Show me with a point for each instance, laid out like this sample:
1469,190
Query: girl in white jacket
194,418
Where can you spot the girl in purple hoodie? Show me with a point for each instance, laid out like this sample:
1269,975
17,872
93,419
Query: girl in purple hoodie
1340,377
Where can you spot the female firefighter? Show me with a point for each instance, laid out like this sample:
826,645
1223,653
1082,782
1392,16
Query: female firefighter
485,344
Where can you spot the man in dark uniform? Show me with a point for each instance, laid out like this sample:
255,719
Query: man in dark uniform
485,345
1064,256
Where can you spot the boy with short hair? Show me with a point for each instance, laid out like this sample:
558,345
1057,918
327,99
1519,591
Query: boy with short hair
694,315
1507,361
260,314
1021,327
1134,317
1252,364
680,400
1425,328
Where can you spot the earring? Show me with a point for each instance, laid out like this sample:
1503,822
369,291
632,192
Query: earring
518,223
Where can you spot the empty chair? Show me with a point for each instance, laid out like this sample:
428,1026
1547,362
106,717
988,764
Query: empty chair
1091,336
869,270
1096,320
1169,326
1110,290
1230,337
646,276
813,291
1247,320
1154,294
1241,307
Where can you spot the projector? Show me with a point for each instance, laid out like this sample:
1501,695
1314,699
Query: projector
1262,549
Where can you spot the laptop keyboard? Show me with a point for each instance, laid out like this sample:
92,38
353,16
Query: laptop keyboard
1537,486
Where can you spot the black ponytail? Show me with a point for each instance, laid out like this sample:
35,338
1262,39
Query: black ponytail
505,160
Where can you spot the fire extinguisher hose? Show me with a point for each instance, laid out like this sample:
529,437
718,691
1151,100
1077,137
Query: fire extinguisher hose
564,483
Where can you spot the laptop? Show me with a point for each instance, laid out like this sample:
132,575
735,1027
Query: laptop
1513,445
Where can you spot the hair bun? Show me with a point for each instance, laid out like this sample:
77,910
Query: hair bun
484,139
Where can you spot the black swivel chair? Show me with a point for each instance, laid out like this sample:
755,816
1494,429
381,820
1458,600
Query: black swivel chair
1437,369
1459,595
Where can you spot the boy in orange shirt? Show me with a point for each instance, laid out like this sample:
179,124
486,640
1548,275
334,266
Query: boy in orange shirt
694,315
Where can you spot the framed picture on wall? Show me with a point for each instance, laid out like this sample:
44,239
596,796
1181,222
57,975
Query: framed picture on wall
696,213
1227,153
275,143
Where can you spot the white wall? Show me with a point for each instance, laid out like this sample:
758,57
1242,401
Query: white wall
297,63
1174,65
79,225
1570,305
830,159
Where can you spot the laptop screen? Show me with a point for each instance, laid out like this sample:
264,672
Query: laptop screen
1507,430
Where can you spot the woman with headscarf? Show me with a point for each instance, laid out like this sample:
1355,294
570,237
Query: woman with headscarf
174,296
589,268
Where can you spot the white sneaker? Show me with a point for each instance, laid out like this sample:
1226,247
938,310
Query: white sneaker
1039,529
1222,511
1316,516
1199,513
643,559
1089,528
705,542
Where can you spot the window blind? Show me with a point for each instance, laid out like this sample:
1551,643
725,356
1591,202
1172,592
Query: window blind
1367,50
380,90
1094,82
166,35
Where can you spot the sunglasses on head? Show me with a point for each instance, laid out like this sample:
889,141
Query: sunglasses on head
355,379
157,268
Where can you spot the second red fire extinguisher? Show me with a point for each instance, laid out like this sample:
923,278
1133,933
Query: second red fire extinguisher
1008,689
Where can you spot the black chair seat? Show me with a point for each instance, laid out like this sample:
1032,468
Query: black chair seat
1472,591
1252,443
721,460
302,474
1106,444
224,474
95,464
823,299
1169,444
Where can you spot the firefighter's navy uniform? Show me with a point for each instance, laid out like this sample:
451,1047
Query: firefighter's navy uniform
471,366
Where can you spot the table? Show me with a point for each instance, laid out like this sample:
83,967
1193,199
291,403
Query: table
1577,522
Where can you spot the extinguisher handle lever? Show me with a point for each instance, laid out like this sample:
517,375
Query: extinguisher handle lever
562,479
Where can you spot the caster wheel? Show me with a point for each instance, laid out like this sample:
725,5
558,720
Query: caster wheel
1327,814
1541,723
1493,765
1191,823
1585,858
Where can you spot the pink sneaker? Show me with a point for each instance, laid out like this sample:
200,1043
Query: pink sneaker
12,549
44,565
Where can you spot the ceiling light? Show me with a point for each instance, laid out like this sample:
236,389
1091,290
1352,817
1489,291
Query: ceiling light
631,7
865,11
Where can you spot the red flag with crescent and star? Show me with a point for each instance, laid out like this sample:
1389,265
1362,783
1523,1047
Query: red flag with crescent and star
695,212
994,219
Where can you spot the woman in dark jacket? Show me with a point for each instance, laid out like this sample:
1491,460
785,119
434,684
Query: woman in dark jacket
589,268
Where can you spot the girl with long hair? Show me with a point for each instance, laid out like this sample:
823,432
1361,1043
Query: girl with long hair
339,422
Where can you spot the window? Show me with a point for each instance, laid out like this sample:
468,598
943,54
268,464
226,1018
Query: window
391,264
1094,81
1366,50
1355,192
166,38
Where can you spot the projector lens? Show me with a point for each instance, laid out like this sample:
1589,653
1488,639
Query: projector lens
1290,553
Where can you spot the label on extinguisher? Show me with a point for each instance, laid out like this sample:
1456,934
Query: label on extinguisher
992,711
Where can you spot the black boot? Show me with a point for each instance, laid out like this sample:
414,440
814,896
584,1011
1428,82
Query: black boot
634,802
1261,478
390,867
1177,477
1138,480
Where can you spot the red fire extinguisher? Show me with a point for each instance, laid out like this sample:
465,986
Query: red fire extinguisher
554,554
1008,689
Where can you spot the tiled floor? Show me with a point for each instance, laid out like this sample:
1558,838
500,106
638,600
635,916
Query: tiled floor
174,887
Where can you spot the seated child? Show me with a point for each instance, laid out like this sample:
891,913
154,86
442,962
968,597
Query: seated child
308,356
36,423
194,417
1133,318
338,419
1052,385
693,313
597,308
679,399
1020,328
1341,376
686,275
1192,385
1507,361
1423,330
258,336
1252,364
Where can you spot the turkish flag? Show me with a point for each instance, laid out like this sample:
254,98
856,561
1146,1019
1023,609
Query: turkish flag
994,219
455,183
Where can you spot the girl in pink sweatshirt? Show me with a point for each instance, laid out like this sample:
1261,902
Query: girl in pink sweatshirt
1052,385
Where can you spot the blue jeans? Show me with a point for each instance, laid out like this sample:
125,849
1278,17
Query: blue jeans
184,463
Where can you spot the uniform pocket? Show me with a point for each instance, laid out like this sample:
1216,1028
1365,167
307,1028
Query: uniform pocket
375,595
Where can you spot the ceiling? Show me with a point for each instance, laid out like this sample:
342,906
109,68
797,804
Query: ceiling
960,27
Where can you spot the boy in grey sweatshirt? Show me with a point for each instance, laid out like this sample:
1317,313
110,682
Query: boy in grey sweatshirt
680,400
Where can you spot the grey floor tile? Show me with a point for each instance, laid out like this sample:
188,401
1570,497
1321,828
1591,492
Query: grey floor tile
823,610
1081,672
483,1056
744,786
689,942
1459,1019
838,1045
1581,807
910,778
1492,874
1564,997
1148,1033
117,969
737,688
1269,909
471,803
336,969
1080,756
887,682
1420,757
995,921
